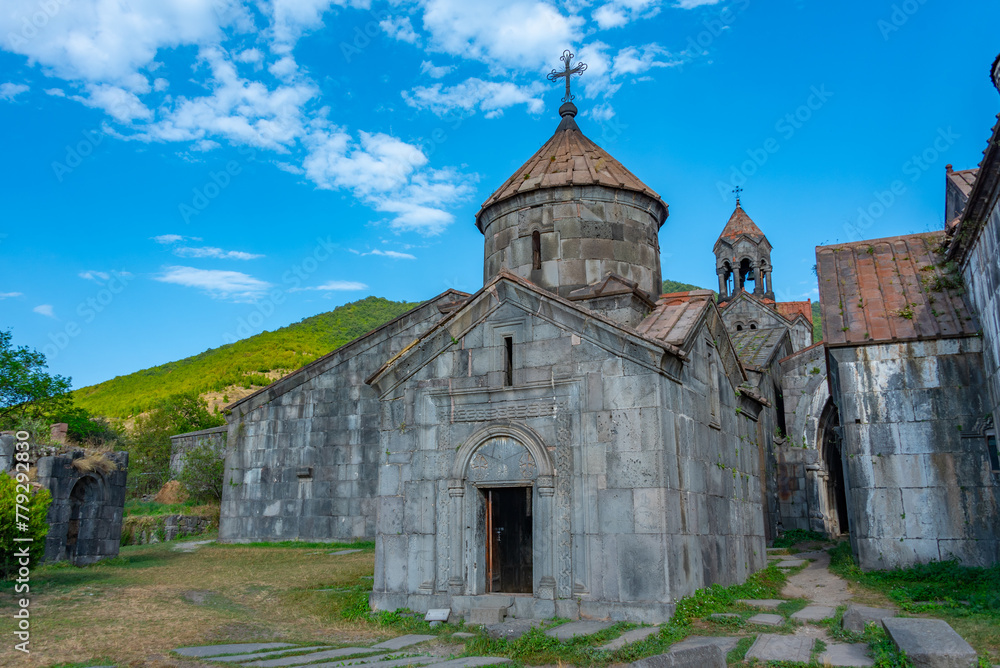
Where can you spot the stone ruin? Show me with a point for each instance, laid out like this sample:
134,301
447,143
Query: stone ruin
85,517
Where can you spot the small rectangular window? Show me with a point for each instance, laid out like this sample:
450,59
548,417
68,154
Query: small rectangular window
991,447
508,361
536,250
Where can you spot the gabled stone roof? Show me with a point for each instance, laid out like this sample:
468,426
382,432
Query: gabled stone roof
569,158
675,315
963,179
740,225
756,347
892,289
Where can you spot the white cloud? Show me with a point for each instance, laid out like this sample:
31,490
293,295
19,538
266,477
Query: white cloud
45,309
396,255
55,92
250,56
218,284
691,4
332,286
434,71
209,251
160,84
122,105
617,13
399,27
168,238
517,34
376,163
8,91
94,275
10,295
491,97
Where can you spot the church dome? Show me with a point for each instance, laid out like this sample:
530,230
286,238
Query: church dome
571,215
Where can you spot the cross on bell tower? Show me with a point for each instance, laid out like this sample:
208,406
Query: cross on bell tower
568,72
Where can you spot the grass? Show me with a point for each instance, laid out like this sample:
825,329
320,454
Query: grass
967,598
135,507
795,536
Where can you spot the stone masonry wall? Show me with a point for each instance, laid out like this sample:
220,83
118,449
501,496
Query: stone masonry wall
644,488
981,275
585,232
917,490
303,453
182,443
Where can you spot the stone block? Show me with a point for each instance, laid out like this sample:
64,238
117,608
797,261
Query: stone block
487,616
310,658
770,647
851,656
930,643
402,641
814,613
217,650
576,629
512,628
635,635
765,619
726,643
708,656
856,617
792,563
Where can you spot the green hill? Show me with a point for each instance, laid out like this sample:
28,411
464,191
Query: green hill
243,363
676,286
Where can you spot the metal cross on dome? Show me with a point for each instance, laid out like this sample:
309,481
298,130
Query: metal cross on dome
737,190
555,75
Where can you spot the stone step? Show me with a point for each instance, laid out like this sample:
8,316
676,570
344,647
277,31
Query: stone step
771,647
309,658
765,619
846,656
814,613
930,643
856,617
576,629
471,662
705,656
394,644
724,642
239,658
392,661
218,650
635,635
763,603
512,629
792,563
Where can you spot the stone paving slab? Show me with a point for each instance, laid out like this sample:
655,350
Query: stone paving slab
309,658
393,662
849,656
930,643
403,641
512,629
770,647
765,603
216,650
471,662
792,563
767,620
707,656
343,552
814,613
726,643
856,617
576,629
265,655
635,635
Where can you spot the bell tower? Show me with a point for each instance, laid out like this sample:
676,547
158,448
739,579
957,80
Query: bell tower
743,258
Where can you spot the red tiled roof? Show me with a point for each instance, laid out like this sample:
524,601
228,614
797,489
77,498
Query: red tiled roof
569,158
792,309
675,316
964,179
890,289
740,225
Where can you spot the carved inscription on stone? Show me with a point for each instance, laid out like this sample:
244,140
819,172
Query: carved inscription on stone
502,459
505,411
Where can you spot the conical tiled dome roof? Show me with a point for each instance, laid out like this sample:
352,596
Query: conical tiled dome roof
569,159
740,225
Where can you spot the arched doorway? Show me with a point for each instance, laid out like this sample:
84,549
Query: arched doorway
835,511
81,530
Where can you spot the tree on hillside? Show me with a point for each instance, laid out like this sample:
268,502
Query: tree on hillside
149,441
27,390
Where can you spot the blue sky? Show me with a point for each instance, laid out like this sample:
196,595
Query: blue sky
177,174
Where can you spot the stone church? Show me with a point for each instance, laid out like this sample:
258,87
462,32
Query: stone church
569,442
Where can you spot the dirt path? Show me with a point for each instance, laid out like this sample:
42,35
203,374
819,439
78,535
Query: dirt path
817,583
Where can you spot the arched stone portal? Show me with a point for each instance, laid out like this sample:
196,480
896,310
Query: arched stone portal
502,486
833,491
85,505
